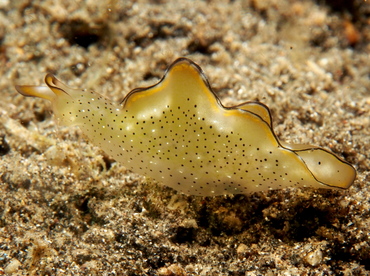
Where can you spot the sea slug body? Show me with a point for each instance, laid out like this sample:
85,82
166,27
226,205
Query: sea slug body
179,133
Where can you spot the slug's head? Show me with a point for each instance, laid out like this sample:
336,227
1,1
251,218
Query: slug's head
62,98
50,92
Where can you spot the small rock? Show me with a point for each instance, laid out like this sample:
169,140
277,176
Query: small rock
12,267
172,270
314,258
242,249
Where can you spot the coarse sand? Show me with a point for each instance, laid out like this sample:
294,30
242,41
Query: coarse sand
67,208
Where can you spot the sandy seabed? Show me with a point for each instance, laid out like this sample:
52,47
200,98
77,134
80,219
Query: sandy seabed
67,208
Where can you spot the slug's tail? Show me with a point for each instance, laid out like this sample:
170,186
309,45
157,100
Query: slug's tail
325,166
53,89
328,168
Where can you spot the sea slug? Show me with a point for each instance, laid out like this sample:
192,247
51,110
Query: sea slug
178,133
